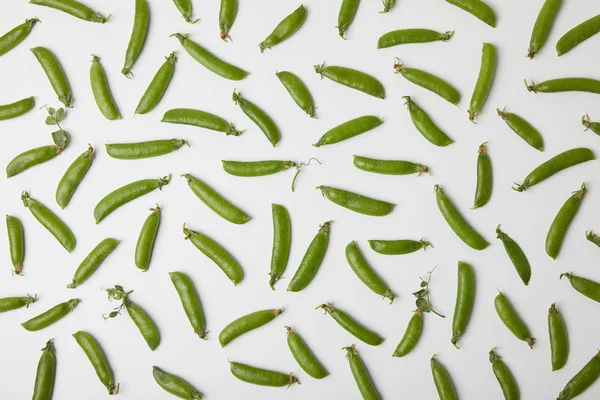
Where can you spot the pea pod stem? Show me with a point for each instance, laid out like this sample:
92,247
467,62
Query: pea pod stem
592,237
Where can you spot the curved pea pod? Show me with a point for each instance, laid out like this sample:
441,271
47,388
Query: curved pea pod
46,373
516,254
559,85
217,254
366,273
543,25
577,35
16,109
582,380
16,243
227,14
298,91
357,202
409,36
484,80
92,261
349,129
304,356
136,151
586,287
389,167
592,237
562,222
158,86
465,299
524,129
101,90
247,323
505,378
185,8
190,301
352,326
98,359
200,119
478,9
411,335
556,164
428,81
175,385
38,155
346,15
311,262
125,194
352,78
146,239
51,316
55,73
398,247
50,221
457,222
137,39
14,303
73,8
282,242
442,380
15,36
425,125
73,177
285,29
259,117
361,375
144,323
260,376
511,319
210,61
485,178
559,338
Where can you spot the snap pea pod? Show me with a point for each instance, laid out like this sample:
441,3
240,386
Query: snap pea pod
15,36
51,316
428,81
304,356
136,151
14,303
517,256
158,86
261,376
46,373
247,323
485,178
389,167
484,80
185,8
146,239
411,335
261,168
408,36
18,108
511,319
346,15
175,385
285,29
357,202
349,129
577,35
425,124
101,91
298,91
55,74
282,242
505,378
190,301
465,298
442,380
227,14
562,222
352,78
16,243
98,359
50,221
524,129
73,177
594,126
201,119
366,273
478,9
38,155
312,260
361,375
586,287
559,85
543,25
259,117
352,326
92,261
141,21
398,247
73,8
582,380
559,338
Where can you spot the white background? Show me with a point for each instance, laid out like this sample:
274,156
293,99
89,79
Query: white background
524,216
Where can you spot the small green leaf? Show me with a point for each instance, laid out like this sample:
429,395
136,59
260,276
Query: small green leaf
420,293
113,314
424,283
423,305
60,114
50,120
51,111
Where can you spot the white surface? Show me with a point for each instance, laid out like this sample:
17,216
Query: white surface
524,216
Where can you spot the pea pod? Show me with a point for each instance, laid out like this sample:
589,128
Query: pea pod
101,90
349,129
577,35
592,237
51,316
478,9
485,178
517,256
389,167
594,126
357,202
398,247
411,335
582,380
361,375
505,378
175,385
98,359
465,299
587,85
190,301
562,221
559,338
298,91
425,124
185,8
141,21
16,243
201,119
442,380
227,14
586,287
428,81
408,36
312,260
282,242
352,326
46,373
38,155
16,109
353,79
524,129
543,25
260,376
286,28
158,86
261,168
55,73
73,177
15,36
50,221
14,303
139,150
247,323
146,239
484,80
365,272
92,261
511,319
73,8
259,117
346,15
304,356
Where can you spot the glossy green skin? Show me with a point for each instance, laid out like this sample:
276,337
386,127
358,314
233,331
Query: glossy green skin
352,326
175,385
484,80
411,335
51,222
524,129
398,247
304,356
144,323
559,85
260,376
216,202
298,91
185,8
442,380
365,272
14,303
352,78
247,323
478,9
201,119
388,167
210,61
311,262
217,253
430,82
45,374
16,242
73,8
485,178
73,177
146,239
190,301
559,338
517,256
136,151
101,91
562,222
55,73
286,28
31,158
259,117
98,359
408,36
425,125
586,287
357,202
543,25
505,378
465,298
92,261
346,15
349,129
577,35
582,380
282,242
158,86
51,316
125,194
15,36
139,32
18,108
511,319
457,223
256,168
363,380
227,13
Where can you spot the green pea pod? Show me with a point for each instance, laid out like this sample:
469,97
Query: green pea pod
257,168
158,86
352,78
346,15
465,299
485,178
543,25
389,167
505,378
282,242
357,202
227,13
139,150
478,9
190,301
92,261
137,39
524,129
511,319
73,177
16,109
577,35
366,273
38,155
185,8
304,356
101,91
425,124
398,247
428,81
298,91
517,256
586,287
260,376
409,36
46,373
14,303
55,73
15,36
51,316
16,243
98,359
586,85
144,323
562,222
175,385
361,375
146,239
285,29
259,117
247,323
352,326
559,338
442,380
484,81
201,119
582,380
349,129
312,260
411,335
50,221
73,8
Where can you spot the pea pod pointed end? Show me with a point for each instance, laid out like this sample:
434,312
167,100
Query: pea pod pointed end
319,68
127,72
455,337
182,37
530,88
350,351
231,131
501,113
521,187
72,285
99,18
273,280
531,52
494,356
293,380
327,307
389,295
473,114
262,47
530,342
236,96
164,181
398,67
568,275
